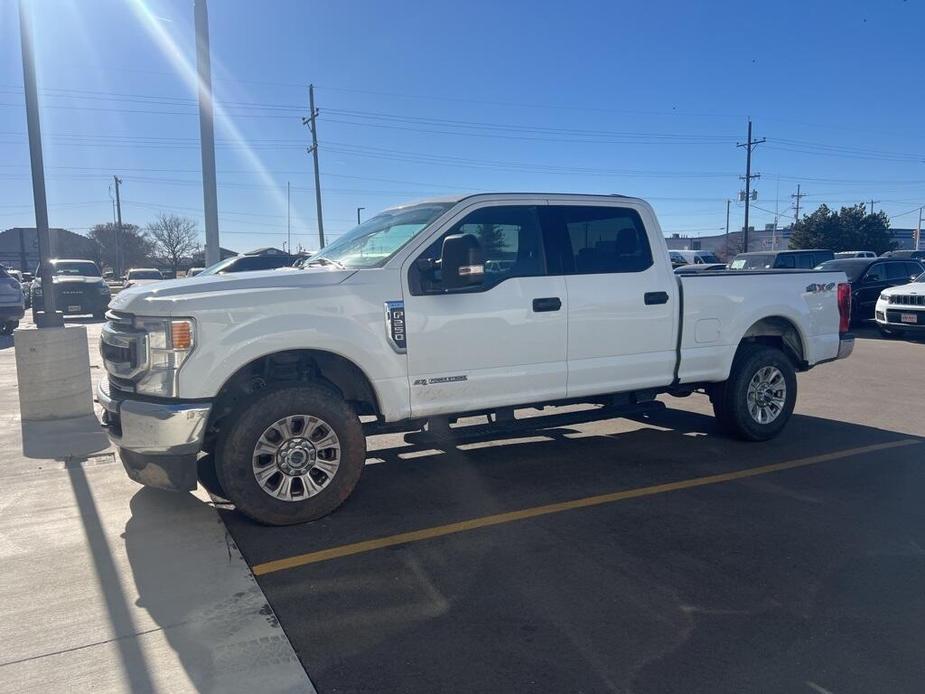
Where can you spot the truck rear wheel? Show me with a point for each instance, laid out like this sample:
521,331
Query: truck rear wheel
292,455
756,402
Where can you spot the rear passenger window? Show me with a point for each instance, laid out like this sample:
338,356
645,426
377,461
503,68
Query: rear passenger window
805,261
896,271
786,260
603,239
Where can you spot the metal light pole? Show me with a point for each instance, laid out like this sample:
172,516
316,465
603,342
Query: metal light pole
206,131
359,209
51,319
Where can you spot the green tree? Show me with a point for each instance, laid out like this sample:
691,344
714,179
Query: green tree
849,229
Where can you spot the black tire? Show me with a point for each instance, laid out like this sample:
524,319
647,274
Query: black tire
730,399
890,332
236,443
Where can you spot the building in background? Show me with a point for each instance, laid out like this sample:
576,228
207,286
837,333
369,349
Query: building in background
759,240
64,244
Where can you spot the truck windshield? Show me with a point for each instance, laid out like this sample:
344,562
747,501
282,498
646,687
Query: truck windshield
70,267
376,240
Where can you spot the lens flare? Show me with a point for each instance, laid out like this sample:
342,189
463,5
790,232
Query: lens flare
190,75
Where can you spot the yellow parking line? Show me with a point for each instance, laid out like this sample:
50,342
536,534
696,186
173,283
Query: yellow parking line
536,511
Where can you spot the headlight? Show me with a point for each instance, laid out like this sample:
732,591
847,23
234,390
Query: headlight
884,297
170,342
104,289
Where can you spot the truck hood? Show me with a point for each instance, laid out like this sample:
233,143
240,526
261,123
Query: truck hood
183,296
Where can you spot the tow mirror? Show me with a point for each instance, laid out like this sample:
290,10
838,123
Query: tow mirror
461,261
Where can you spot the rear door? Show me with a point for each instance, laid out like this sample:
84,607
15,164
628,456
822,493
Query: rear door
500,342
622,313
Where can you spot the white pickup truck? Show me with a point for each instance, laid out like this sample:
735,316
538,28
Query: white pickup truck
439,310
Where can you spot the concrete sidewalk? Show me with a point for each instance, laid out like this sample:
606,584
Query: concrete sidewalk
108,586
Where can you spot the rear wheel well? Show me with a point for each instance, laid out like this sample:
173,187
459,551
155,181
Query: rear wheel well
779,332
289,368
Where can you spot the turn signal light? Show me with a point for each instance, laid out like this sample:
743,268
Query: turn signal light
844,307
181,334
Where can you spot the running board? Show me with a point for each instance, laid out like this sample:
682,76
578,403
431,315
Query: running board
462,434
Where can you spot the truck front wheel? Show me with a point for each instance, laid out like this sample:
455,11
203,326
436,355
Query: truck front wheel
756,402
292,455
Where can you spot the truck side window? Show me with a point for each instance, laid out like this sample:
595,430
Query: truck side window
603,239
786,260
509,243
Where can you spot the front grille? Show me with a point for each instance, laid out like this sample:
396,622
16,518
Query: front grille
908,299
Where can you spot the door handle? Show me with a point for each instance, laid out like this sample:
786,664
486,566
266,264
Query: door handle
655,298
549,303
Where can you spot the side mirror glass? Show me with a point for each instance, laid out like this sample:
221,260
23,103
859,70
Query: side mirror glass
461,262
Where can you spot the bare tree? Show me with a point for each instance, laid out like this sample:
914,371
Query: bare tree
175,238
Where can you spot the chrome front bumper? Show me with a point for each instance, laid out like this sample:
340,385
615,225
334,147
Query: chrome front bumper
158,441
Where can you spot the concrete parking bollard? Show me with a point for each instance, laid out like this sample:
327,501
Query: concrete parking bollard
53,369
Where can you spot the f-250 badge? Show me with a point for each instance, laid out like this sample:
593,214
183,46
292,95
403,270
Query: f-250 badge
440,379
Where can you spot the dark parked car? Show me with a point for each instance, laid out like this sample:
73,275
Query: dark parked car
247,262
870,276
803,259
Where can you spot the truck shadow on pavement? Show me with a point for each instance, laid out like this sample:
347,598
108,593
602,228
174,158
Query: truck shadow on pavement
704,590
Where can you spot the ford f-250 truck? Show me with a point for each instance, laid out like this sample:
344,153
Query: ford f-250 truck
433,311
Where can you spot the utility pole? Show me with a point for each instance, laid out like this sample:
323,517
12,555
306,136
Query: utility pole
312,123
872,203
117,271
359,209
797,196
728,202
206,131
288,221
749,146
51,319
918,230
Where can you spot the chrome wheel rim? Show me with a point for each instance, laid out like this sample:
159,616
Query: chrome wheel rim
767,394
296,457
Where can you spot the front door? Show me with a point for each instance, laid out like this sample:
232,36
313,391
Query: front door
500,340
873,282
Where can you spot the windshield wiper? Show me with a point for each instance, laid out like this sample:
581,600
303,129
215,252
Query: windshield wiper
325,261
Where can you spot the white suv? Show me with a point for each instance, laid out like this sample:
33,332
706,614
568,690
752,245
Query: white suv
901,310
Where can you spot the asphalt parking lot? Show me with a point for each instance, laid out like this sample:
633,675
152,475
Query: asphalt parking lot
647,555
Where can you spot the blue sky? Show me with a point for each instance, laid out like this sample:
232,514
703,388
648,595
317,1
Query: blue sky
424,98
